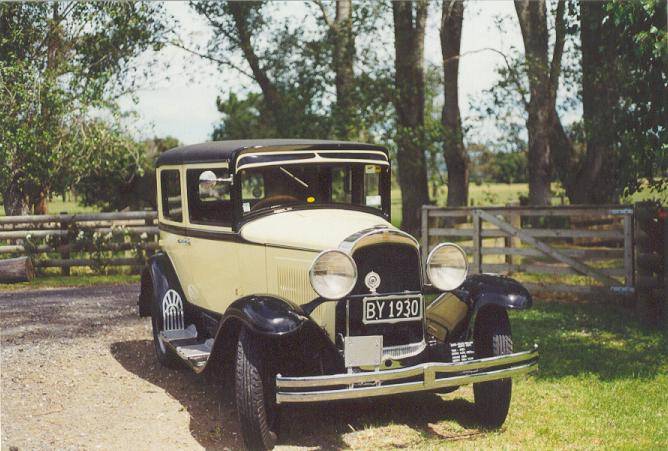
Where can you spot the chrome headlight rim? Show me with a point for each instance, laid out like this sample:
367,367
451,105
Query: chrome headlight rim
431,256
311,274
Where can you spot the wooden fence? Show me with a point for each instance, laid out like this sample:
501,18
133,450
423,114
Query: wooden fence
580,249
67,240
600,249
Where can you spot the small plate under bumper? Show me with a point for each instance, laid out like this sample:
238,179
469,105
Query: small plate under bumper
426,376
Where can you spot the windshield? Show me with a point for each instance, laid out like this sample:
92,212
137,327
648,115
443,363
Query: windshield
354,184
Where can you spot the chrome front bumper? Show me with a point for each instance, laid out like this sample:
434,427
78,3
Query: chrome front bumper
426,376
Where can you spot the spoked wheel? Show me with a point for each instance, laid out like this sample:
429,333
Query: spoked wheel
255,393
492,337
165,355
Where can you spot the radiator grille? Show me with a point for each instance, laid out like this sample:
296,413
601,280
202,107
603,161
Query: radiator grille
399,268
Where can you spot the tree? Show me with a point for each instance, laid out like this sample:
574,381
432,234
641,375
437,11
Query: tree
543,77
623,99
409,30
242,118
58,62
288,68
341,32
456,158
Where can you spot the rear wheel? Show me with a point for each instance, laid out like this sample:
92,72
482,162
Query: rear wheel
492,337
255,393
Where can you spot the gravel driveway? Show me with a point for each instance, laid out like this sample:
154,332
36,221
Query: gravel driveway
78,371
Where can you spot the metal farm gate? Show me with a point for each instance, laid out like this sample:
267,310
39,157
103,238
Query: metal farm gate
577,249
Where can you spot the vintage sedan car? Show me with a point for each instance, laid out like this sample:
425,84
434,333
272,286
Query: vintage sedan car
278,261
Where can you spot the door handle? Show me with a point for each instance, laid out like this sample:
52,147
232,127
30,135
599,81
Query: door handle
185,241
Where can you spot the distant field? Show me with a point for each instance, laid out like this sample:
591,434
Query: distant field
58,206
480,195
485,194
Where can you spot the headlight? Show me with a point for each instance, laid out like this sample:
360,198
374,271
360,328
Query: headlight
447,266
333,274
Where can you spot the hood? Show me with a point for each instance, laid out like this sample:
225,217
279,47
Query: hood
316,229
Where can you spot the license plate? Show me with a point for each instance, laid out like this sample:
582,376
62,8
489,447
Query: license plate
392,309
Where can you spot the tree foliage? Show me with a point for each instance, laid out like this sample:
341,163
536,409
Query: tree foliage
61,64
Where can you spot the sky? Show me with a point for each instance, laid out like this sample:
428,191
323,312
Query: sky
180,100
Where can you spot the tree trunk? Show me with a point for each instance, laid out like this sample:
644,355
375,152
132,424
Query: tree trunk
271,96
454,151
14,200
563,155
344,57
39,203
595,177
409,30
14,270
543,78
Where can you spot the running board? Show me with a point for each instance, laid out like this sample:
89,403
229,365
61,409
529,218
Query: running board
197,354
170,336
184,343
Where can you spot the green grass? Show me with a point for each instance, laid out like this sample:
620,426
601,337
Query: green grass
486,194
602,383
75,280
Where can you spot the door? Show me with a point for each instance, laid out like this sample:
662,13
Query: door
216,276
173,239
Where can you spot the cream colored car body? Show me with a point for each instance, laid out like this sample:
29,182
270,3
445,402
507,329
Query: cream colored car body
273,256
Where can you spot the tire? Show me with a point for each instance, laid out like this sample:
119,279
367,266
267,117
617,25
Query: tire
166,356
492,337
255,393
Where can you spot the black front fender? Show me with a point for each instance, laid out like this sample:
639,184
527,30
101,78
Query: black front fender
267,315
480,291
489,289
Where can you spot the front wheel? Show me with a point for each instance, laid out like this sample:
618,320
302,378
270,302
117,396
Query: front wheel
255,393
492,337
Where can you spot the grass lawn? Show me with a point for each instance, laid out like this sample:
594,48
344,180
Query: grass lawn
75,280
480,195
602,383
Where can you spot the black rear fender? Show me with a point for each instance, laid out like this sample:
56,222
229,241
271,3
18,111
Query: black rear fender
157,278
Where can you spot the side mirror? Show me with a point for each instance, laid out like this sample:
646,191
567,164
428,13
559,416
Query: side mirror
208,180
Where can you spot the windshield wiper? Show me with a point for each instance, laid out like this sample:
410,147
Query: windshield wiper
294,177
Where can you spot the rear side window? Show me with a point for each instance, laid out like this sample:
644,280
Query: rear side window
170,185
209,201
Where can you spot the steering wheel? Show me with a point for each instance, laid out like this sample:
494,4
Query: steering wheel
274,200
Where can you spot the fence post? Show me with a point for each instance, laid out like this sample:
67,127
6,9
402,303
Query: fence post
510,241
425,233
147,251
663,215
629,280
64,246
477,243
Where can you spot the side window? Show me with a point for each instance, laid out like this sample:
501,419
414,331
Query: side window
252,191
209,201
341,192
170,184
372,186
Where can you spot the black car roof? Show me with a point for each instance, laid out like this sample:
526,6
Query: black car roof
226,150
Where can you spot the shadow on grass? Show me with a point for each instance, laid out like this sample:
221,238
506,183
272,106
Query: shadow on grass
213,419
593,338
